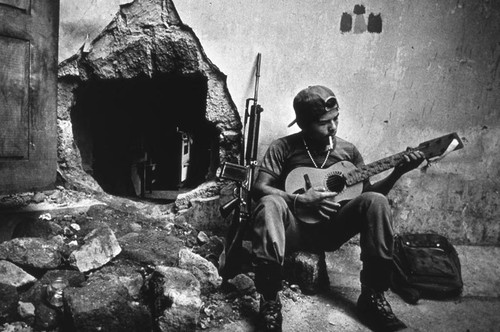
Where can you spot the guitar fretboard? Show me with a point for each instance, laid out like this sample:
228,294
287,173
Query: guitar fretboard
363,173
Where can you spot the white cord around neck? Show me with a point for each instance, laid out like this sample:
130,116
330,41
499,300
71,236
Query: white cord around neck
312,159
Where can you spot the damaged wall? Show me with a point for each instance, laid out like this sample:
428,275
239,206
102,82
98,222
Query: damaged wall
404,72
146,57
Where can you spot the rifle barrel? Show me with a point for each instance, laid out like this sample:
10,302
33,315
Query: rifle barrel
257,76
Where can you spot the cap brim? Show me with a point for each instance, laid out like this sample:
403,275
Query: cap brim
292,123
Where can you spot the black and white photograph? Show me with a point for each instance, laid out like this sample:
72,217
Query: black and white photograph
249,165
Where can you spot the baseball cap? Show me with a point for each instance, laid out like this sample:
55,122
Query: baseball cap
312,102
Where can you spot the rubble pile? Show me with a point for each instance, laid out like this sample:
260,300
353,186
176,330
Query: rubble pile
111,268
108,269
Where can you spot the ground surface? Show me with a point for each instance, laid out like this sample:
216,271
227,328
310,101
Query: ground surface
334,310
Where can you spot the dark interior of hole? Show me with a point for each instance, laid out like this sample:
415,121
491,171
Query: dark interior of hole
116,121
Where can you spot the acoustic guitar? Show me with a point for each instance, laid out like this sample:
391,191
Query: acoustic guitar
347,180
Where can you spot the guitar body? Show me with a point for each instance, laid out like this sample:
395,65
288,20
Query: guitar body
347,180
295,184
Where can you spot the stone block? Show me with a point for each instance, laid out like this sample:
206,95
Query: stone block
13,275
105,305
343,266
100,247
26,311
203,214
242,284
33,252
155,247
201,268
308,270
122,273
176,295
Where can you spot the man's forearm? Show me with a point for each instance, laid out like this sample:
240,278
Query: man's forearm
385,185
263,190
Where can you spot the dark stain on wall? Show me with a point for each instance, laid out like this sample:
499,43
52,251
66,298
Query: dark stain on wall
346,23
359,9
374,23
359,23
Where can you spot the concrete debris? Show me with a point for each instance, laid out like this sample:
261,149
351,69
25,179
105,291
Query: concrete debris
202,237
33,252
13,275
47,318
15,327
75,227
243,284
37,294
203,214
132,272
151,247
127,275
8,304
308,270
105,305
177,301
201,268
39,198
26,310
100,247
156,282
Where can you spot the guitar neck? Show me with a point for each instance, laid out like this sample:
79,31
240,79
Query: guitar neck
365,172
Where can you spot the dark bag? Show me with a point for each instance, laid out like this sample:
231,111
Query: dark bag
426,265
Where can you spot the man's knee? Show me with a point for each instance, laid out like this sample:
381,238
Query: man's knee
377,210
272,202
376,200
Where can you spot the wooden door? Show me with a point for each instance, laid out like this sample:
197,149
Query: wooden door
28,94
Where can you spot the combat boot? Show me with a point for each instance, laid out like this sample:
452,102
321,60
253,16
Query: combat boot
374,310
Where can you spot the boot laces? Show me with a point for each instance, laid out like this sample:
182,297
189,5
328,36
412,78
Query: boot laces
378,299
271,314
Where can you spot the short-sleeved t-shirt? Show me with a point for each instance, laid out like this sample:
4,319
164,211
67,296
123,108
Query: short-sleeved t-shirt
289,152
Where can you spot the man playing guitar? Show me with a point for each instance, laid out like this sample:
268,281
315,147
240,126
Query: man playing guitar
278,230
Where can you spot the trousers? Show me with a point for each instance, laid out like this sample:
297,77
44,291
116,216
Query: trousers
277,232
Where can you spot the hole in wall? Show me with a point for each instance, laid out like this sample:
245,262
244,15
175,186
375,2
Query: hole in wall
145,137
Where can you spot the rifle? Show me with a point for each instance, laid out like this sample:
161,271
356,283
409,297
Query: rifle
243,174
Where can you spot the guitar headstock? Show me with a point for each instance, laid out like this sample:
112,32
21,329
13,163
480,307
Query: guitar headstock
441,145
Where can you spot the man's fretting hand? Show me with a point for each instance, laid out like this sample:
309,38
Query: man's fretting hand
410,161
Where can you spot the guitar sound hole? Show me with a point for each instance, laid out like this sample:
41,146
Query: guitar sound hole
336,183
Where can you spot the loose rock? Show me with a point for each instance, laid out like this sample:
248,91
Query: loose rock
177,299
33,252
111,300
13,275
201,268
243,284
100,247
8,304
